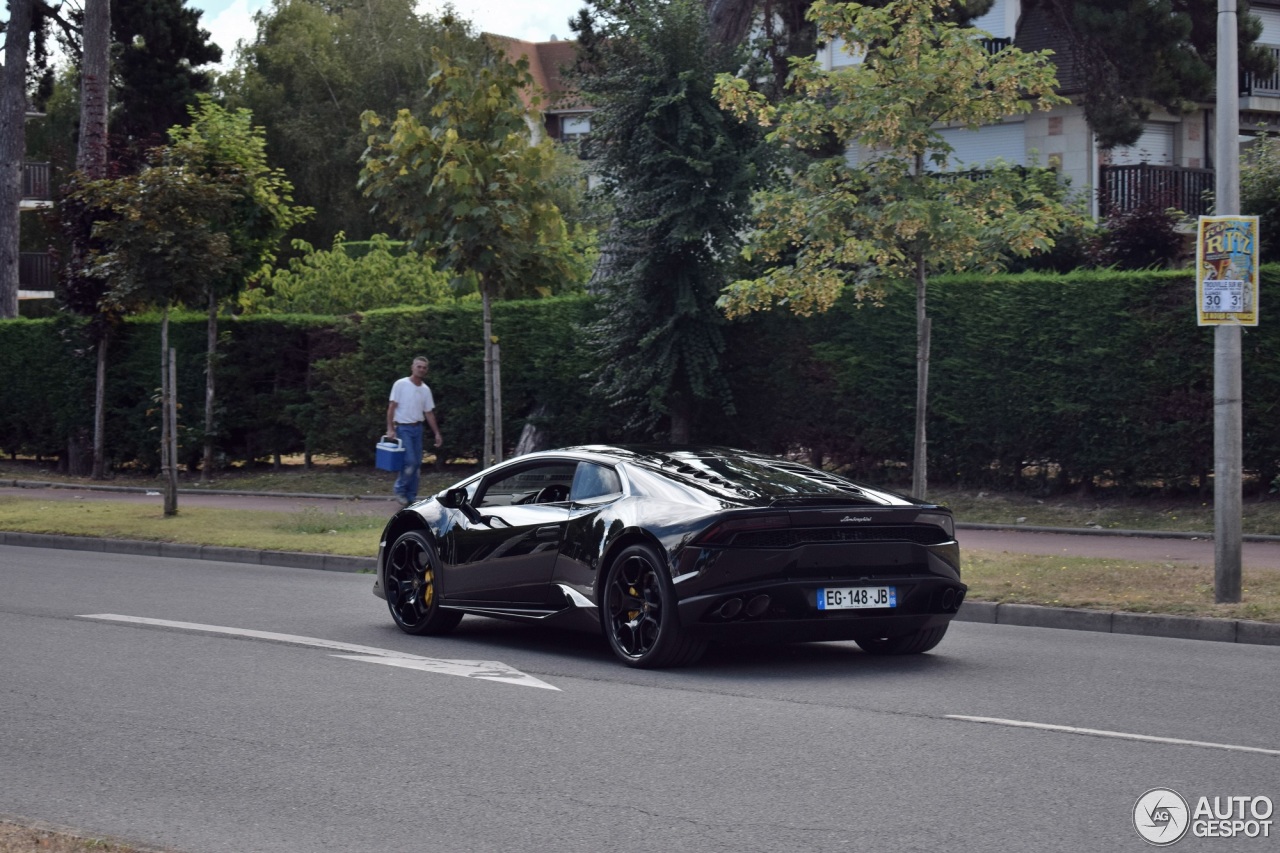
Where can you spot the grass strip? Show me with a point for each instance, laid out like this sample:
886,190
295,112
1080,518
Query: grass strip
312,530
1104,513
23,839
1111,584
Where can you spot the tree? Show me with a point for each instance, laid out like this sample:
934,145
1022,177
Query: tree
162,247
160,50
466,184
226,149
157,47
95,80
785,29
679,171
1130,57
339,282
157,52
313,68
1260,193
13,143
831,224
91,162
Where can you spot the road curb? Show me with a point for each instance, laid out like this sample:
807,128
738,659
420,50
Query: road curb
1118,622
988,612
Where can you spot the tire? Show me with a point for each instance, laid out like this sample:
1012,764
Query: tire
915,643
409,582
639,616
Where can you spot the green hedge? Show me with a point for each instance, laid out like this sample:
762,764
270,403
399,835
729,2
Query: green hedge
1093,377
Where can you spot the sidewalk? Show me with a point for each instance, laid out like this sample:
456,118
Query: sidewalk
1260,552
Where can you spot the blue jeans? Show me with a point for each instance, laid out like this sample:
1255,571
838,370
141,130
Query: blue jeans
407,482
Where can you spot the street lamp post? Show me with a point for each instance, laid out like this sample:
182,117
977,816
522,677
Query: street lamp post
1227,386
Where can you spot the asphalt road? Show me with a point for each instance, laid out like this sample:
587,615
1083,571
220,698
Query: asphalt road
204,741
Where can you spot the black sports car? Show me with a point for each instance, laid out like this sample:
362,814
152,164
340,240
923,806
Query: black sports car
667,549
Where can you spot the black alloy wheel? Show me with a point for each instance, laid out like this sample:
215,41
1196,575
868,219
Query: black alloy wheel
639,613
915,643
410,585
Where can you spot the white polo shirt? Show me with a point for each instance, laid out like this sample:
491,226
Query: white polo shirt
412,401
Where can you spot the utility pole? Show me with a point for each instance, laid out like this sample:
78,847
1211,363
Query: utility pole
1227,387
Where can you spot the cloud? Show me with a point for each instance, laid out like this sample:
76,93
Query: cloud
529,20
230,24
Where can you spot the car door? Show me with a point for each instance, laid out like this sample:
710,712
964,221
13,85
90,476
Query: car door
596,488
509,554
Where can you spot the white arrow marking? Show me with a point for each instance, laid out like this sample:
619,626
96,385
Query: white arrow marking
487,670
490,670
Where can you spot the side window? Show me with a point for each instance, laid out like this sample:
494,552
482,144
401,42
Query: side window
594,481
540,484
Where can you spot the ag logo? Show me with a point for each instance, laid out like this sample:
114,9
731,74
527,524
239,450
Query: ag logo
1161,816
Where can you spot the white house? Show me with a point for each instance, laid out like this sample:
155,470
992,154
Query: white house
1174,154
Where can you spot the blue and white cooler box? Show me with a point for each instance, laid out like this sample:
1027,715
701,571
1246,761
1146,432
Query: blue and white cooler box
390,454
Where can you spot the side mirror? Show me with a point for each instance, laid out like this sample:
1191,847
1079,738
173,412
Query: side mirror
457,499
454,498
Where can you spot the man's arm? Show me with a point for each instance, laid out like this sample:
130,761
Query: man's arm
391,419
431,419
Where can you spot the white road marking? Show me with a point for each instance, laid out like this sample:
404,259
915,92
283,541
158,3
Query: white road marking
1073,730
486,670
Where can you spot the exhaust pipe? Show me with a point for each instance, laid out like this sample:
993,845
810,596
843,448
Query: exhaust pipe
757,605
730,608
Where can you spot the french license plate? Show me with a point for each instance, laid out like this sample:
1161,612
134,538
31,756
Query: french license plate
857,597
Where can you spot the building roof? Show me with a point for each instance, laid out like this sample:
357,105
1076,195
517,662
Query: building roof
547,63
1037,30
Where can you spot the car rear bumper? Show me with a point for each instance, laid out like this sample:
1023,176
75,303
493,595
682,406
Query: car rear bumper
787,610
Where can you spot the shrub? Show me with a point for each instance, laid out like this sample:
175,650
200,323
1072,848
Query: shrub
381,274
1143,237
1260,192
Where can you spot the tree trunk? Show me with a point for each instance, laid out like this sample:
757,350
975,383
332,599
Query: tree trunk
172,488
920,456
99,407
91,160
487,453
730,19
95,78
206,468
497,404
13,144
681,421
168,462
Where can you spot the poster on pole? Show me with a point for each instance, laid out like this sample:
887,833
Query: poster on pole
1227,270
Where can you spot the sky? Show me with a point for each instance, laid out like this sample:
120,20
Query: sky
229,21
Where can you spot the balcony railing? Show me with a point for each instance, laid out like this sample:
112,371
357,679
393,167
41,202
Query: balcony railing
35,181
35,271
995,45
1122,188
1264,86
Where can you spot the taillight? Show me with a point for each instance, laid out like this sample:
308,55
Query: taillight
941,519
722,531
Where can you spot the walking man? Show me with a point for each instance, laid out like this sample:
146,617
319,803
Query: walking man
411,404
